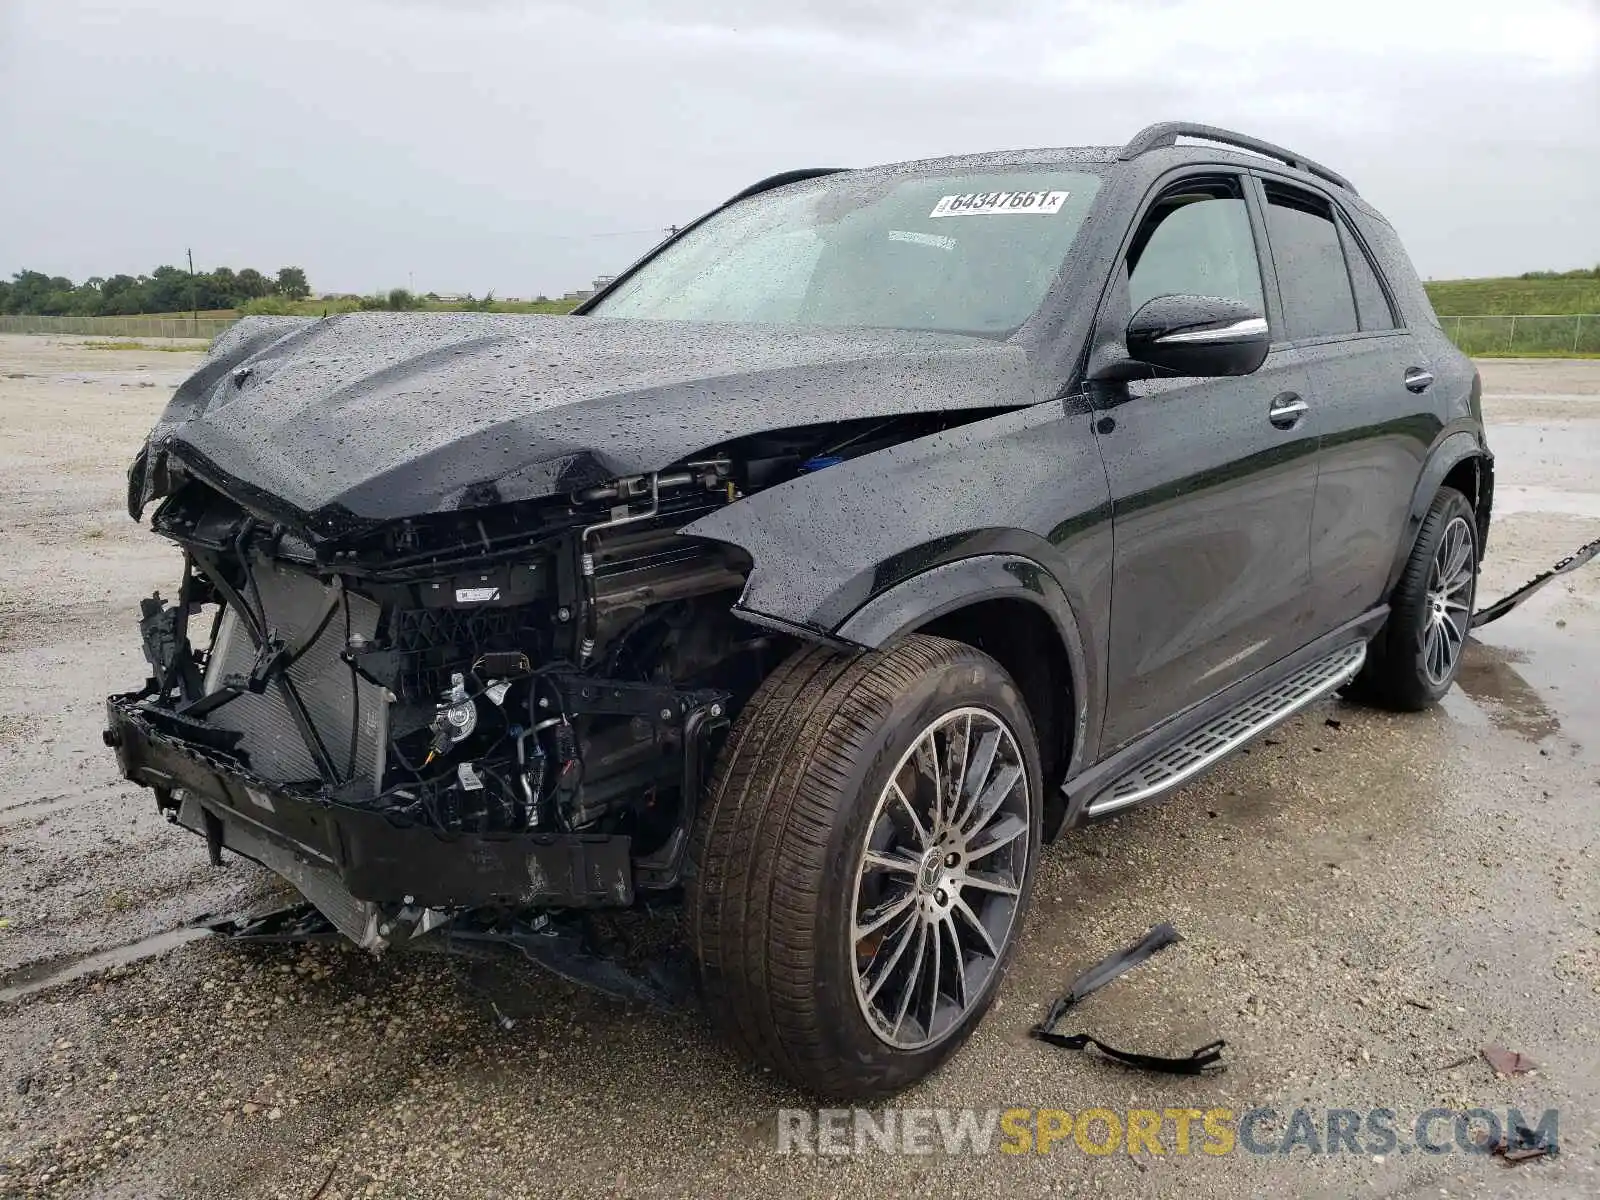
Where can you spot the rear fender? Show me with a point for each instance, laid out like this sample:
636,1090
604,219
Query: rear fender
1454,449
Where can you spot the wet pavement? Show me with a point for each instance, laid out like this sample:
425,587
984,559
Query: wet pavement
1367,901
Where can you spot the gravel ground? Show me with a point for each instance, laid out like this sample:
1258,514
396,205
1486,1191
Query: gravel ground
1367,900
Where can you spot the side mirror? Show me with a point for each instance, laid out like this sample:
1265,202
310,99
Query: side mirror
1198,335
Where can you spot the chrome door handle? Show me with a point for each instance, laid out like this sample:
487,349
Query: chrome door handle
1287,409
1418,379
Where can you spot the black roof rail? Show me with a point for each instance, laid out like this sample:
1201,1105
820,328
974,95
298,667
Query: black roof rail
1167,133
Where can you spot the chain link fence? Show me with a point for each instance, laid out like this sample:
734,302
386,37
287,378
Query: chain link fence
1539,335
120,327
1506,335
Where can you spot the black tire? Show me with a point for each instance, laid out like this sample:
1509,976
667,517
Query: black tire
1401,671
780,859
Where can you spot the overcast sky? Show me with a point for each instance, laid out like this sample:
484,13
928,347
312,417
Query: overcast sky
525,146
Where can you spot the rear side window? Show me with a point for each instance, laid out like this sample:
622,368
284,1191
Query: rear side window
1372,306
1196,241
1312,279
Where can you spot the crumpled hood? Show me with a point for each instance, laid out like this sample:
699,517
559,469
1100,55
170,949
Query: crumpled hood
368,417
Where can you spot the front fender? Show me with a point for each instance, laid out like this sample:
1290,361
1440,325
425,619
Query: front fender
956,585
1027,482
1015,505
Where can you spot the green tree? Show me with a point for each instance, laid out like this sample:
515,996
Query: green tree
292,283
88,298
220,289
58,302
167,290
253,284
122,295
29,291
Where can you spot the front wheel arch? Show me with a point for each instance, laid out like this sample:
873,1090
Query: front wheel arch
1016,611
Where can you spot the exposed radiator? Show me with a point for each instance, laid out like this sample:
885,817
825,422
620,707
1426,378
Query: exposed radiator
330,691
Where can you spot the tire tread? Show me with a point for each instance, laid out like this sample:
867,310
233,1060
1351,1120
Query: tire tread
761,858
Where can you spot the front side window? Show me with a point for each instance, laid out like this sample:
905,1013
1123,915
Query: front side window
1312,278
970,253
1196,241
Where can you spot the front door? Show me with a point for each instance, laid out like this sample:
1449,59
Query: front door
1212,482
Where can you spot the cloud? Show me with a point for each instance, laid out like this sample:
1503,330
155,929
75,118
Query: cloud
525,147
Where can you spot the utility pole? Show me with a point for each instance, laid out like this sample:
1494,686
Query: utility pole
194,305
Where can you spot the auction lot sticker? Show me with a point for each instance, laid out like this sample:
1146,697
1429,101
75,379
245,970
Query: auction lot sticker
986,204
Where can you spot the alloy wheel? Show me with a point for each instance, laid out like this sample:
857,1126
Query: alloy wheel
939,879
1448,609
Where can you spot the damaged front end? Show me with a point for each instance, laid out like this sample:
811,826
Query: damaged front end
450,636
508,709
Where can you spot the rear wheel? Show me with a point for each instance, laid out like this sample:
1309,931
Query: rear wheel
1416,657
865,863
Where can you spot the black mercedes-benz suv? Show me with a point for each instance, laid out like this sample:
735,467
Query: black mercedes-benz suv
871,532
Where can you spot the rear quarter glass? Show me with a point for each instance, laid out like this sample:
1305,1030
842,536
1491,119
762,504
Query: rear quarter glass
1396,266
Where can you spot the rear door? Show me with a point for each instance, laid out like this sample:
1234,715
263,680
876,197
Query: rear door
1369,384
1212,480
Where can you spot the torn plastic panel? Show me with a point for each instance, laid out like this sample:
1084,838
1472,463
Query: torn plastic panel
1205,1060
1493,612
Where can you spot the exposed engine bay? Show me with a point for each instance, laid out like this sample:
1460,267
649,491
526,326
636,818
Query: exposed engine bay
510,707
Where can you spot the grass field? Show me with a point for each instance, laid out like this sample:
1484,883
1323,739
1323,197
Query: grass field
1557,317
185,347
315,307
1496,297
1451,298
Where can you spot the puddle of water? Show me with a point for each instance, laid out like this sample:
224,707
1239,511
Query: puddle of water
1533,681
1509,700
38,976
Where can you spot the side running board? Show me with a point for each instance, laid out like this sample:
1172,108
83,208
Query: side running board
1181,762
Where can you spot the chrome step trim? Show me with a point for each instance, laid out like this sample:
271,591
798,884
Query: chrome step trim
1179,763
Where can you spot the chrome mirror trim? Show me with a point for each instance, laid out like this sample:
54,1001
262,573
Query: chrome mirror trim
1250,327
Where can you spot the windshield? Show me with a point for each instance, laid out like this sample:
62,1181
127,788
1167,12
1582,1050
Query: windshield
968,253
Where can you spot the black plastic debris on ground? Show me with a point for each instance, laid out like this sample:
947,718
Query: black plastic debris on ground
1505,604
1202,1061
